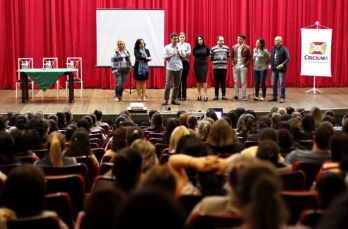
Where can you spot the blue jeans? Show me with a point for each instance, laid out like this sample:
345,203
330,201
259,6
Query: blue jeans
281,75
239,74
260,76
119,86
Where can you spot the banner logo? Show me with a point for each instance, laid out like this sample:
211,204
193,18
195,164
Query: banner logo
317,48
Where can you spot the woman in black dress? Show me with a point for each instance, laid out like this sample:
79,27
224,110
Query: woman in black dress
141,68
201,54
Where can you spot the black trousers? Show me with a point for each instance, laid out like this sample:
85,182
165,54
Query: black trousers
183,82
220,77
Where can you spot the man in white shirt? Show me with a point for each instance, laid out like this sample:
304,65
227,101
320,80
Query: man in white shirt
173,55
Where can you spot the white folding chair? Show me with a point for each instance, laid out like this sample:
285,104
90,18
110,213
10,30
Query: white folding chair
74,62
53,63
25,63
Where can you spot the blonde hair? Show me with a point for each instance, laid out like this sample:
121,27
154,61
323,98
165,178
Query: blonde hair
316,114
116,46
56,142
177,133
148,153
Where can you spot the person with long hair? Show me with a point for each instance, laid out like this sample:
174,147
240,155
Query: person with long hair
171,124
6,149
201,55
141,68
316,114
55,158
186,47
177,133
203,130
121,65
258,195
261,59
80,146
222,138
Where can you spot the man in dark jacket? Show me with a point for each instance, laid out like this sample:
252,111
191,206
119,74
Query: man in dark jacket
279,60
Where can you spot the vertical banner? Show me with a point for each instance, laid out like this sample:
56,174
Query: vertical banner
316,52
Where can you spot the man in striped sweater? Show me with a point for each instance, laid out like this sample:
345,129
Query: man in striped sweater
220,55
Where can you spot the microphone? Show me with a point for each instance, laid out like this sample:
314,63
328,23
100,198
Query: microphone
176,53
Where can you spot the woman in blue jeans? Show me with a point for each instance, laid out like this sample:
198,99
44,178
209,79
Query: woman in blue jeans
121,66
261,59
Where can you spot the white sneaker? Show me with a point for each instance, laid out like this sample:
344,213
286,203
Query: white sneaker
282,100
262,99
117,99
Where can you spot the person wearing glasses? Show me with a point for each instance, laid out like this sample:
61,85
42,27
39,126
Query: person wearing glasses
279,59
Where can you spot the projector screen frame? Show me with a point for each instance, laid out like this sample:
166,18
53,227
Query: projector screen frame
130,44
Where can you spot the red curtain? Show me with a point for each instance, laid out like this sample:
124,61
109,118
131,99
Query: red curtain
65,28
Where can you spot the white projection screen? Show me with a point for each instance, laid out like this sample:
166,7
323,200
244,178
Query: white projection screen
130,24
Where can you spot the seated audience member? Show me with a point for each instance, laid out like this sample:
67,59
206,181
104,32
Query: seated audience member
211,114
320,149
24,193
61,120
69,117
177,133
327,118
21,122
275,119
53,117
183,119
6,149
282,125
127,169
316,114
290,110
224,204
55,158
133,133
99,122
84,124
282,111
228,120
285,117
263,122
295,127
339,154
330,186
301,111
156,123
239,111
171,124
203,130
265,134
336,216
53,126
192,122
258,189
161,178
234,118
222,138
69,131
81,146
126,114
20,147
102,207
33,140
308,126
285,141
208,119
148,123
269,150
3,123
153,209
180,112
117,142
148,153
296,115
332,115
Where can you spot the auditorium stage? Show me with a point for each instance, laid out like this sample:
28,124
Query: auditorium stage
331,98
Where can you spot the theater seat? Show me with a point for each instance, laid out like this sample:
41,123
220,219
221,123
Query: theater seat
205,220
60,202
51,222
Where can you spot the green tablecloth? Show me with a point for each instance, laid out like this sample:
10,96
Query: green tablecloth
45,78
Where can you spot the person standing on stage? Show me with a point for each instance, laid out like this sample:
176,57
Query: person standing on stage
261,59
241,57
220,54
279,60
174,55
121,66
201,54
141,68
186,66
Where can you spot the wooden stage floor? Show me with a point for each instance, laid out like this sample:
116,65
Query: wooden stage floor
331,98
